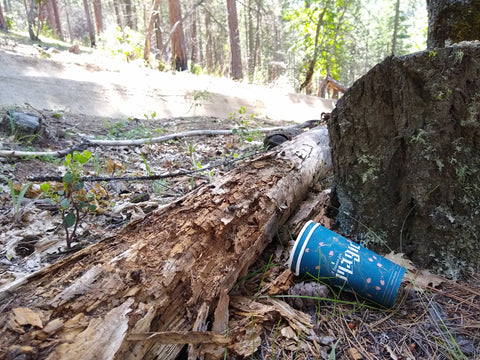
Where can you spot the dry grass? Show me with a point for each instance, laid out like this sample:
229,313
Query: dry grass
426,322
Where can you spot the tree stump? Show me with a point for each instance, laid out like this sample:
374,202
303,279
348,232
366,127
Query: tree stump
404,158
158,273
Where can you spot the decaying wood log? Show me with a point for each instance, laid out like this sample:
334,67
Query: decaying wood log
158,273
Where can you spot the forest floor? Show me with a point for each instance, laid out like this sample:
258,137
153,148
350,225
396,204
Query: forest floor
91,97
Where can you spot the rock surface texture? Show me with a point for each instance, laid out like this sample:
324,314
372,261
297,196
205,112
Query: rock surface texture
405,143
452,21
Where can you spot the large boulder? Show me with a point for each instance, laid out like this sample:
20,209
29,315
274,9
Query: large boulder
405,141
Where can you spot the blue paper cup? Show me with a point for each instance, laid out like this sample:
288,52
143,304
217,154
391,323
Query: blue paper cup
324,254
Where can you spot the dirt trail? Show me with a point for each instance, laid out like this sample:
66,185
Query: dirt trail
96,86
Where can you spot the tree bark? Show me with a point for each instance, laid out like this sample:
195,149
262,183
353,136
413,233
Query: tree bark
58,25
452,21
194,39
307,83
250,42
209,40
148,35
30,12
158,34
67,9
118,14
128,12
334,50
97,10
3,23
234,36
179,51
395,27
160,272
88,17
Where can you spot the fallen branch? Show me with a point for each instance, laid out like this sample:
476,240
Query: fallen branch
155,140
155,275
144,178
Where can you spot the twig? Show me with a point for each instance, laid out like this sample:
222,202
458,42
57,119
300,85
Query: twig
139,142
143,178
59,153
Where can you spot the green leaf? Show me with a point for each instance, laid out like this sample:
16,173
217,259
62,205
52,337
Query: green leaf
78,185
68,177
69,219
92,207
45,187
23,192
65,203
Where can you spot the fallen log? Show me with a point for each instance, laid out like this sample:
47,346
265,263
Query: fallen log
157,273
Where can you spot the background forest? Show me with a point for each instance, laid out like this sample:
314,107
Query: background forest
286,43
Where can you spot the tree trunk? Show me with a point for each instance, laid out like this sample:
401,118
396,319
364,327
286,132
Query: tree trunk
194,39
97,10
233,34
334,50
3,23
128,12
256,50
30,12
307,83
88,17
158,34
58,25
250,42
69,25
148,35
209,40
395,27
452,21
160,272
179,51
118,13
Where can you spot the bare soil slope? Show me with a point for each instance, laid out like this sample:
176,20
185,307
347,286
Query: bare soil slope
94,84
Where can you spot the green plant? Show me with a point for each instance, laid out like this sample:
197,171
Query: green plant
122,130
16,197
200,96
159,186
253,336
242,118
146,164
126,42
73,202
275,338
190,148
332,355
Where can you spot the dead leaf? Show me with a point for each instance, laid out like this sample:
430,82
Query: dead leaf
424,278
113,165
354,354
398,258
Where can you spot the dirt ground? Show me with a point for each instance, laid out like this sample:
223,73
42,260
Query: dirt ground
92,95
94,84
88,96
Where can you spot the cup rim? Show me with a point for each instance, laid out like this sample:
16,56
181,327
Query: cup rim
298,260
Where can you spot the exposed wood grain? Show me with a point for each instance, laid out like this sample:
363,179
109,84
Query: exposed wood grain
157,273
